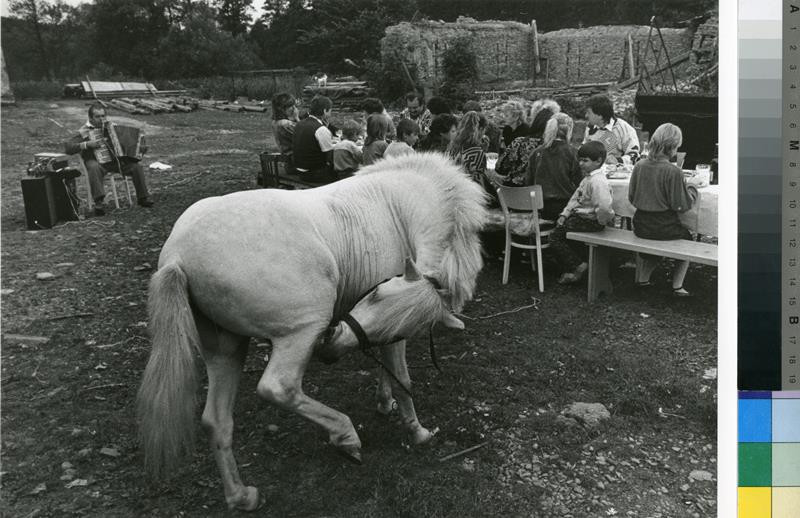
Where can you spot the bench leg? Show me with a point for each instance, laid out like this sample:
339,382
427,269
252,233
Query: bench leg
599,281
639,265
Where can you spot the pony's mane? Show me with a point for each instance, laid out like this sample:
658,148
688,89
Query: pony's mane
422,308
463,204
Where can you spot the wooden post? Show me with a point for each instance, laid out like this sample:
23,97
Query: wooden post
94,94
631,66
406,72
536,66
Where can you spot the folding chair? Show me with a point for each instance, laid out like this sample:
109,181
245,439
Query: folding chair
527,199
114,177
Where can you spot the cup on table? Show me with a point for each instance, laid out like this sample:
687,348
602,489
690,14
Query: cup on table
491,160
703,172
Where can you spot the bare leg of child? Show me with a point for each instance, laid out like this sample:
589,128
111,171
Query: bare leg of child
678,274
646,266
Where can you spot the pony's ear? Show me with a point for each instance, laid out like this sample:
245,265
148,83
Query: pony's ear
450,321
411,273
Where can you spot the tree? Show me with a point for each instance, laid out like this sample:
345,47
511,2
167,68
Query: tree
197,47
325,32
31,10
126,33
460,65
351,29
233,15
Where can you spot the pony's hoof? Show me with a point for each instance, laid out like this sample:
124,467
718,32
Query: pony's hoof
387,409
422,436
351,453
249,501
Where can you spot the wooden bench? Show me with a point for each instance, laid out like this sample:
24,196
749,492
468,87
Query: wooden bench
601,243
274,175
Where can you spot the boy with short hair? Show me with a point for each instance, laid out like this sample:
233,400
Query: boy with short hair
407,137
347,157
589,210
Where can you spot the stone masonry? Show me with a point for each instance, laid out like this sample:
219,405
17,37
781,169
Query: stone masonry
505,50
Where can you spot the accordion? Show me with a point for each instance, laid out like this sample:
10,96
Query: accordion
123,141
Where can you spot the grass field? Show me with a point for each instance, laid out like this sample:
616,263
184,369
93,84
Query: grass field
67,403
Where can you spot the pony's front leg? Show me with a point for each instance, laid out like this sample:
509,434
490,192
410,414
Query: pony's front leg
282,383
387,404
394,357
224,354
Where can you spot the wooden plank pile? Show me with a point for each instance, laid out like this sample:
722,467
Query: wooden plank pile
346,95
239,106
154,104
113,89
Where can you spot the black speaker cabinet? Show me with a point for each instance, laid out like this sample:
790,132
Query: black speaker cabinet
39,200
64,193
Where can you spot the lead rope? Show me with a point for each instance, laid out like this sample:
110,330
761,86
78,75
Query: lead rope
365,345
432,349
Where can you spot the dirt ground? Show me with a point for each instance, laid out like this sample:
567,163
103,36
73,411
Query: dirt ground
68,425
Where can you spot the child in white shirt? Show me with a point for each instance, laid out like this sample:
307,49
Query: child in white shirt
347,156
589,210
407,137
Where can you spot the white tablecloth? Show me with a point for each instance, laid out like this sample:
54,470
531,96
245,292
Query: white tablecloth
701,218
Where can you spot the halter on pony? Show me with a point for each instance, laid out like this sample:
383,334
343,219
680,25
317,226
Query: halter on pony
365,344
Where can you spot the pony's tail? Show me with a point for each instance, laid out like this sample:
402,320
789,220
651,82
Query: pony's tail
167,396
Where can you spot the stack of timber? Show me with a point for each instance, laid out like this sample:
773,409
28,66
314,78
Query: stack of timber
238,106
154,104
345,94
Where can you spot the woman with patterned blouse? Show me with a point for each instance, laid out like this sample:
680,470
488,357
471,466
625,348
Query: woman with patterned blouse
467,151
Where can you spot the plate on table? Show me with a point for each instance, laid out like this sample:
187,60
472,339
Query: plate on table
618,172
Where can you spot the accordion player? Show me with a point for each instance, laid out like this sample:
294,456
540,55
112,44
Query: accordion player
106,147
116,141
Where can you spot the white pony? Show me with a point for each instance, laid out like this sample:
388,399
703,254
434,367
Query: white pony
289,266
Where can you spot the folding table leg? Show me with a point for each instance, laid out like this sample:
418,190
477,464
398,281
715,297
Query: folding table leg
599,281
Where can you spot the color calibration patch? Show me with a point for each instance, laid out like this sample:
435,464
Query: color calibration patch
769,454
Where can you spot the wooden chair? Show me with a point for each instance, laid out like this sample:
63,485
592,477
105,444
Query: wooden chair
527,199
270,170
114,177
274,175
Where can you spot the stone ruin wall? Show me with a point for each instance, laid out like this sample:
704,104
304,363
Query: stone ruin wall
501,48
599,54
505,52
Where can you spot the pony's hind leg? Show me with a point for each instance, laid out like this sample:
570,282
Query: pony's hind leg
394,357
282,383
224,355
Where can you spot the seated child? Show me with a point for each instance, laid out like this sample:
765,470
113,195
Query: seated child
375,143
347,157
407,137
589,210
660,194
